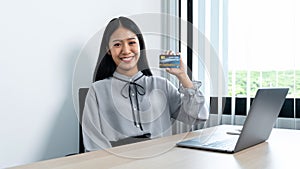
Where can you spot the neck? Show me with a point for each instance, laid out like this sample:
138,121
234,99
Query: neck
129,73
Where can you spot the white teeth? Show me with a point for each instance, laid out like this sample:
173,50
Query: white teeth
126,59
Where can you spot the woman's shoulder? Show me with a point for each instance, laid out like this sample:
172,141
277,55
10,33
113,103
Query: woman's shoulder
103,82
158,81
156,78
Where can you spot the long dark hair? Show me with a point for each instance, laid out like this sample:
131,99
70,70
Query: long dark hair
105,65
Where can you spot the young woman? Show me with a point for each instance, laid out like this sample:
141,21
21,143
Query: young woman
126,101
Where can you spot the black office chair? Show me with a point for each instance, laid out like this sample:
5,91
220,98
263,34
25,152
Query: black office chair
81,95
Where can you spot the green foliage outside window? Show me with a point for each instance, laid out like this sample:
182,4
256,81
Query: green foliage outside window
257,79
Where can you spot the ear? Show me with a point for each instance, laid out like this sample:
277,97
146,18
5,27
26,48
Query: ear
108,51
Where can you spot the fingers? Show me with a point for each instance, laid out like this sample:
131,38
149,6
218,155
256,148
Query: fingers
170,52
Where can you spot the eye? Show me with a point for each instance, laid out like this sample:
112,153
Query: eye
117,44
132,42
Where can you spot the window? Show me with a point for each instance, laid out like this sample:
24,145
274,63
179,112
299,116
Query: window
247,44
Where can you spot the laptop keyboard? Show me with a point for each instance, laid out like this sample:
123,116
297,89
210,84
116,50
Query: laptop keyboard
225,144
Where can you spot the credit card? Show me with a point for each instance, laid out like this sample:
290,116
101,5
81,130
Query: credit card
169,61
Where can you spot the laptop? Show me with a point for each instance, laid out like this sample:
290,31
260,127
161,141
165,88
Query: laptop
257,128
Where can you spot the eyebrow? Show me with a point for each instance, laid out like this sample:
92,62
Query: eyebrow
116,40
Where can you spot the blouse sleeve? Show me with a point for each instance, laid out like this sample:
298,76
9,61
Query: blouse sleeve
93,137
188,104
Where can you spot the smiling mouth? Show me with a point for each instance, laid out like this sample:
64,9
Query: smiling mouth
127,59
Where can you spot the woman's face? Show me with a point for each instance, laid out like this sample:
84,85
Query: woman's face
124,48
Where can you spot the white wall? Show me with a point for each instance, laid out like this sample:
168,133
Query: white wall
39,45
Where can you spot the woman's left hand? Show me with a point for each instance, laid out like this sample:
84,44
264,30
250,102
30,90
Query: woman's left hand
180,72
177,71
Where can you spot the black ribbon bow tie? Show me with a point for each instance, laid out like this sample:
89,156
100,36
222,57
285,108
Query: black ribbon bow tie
138,88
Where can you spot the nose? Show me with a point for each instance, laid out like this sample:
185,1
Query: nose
125,49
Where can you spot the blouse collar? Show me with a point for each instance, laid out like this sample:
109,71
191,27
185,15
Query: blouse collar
127,78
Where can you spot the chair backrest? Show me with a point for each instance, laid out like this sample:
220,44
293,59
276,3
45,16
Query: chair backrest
82,95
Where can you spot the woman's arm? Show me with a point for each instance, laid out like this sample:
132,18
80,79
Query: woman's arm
191,106
93,137
187,104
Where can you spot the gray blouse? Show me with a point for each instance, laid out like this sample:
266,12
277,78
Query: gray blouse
120,107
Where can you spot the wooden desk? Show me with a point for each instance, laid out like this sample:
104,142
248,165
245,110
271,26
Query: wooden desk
280,151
